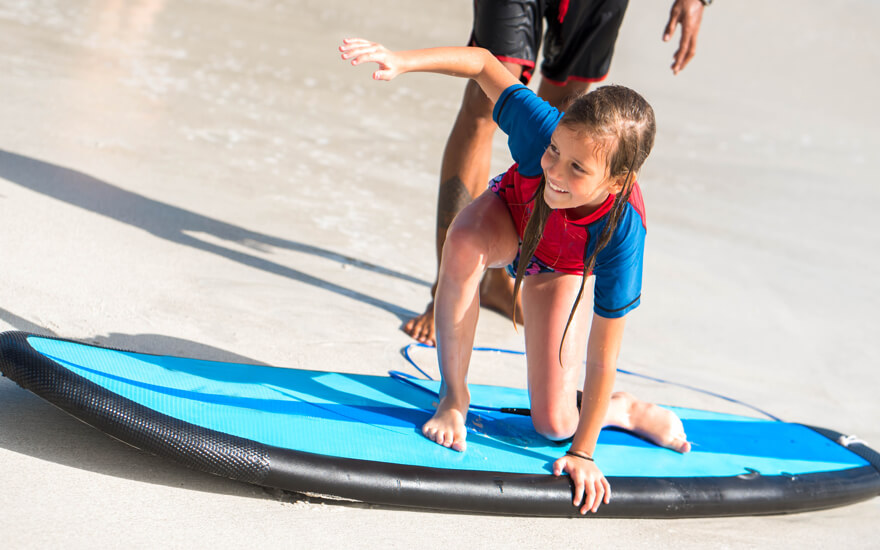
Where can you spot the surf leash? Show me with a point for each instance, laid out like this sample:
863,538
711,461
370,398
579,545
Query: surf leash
407,378
410,380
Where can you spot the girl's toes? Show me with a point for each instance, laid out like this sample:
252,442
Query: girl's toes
681,445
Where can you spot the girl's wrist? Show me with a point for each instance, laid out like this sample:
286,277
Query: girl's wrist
404,61
580,454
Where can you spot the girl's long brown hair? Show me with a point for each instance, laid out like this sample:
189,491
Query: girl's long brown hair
624,122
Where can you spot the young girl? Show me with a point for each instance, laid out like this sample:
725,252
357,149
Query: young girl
570,207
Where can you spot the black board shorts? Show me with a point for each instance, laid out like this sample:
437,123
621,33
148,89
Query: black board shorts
578,43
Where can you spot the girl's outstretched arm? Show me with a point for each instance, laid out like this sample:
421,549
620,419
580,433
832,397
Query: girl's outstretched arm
465,62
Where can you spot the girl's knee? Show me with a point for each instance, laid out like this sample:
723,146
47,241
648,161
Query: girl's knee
465,238
481,236
555,425
463,252
461,235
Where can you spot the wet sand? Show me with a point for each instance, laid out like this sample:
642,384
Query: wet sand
208,179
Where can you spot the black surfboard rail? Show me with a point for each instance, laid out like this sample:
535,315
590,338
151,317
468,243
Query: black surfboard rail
397,485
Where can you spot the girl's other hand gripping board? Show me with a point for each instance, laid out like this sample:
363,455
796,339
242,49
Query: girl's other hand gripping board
590,488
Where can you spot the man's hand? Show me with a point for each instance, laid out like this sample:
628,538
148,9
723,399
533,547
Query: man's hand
688,14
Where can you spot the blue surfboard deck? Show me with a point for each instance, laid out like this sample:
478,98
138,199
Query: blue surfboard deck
358,436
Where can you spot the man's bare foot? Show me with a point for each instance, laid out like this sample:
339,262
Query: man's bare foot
421,327
447,428
496,293
648,420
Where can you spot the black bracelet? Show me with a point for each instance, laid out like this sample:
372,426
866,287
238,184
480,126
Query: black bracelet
579,454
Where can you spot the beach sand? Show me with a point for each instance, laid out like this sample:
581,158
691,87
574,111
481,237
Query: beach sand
209,179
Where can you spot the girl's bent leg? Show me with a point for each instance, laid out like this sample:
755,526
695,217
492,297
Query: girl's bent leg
482,236
547,302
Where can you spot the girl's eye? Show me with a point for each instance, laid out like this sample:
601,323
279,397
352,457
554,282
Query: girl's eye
578,169
552,150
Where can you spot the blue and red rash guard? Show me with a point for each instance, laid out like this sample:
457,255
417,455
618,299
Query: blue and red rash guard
529,121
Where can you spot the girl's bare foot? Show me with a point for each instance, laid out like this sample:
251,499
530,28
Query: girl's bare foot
421,327
648,420
447,428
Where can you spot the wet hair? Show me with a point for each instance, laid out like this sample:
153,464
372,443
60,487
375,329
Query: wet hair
622,123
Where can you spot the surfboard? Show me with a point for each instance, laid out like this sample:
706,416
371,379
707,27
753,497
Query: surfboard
357,437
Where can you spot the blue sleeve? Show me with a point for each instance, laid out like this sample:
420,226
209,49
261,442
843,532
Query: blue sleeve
529,122
618,288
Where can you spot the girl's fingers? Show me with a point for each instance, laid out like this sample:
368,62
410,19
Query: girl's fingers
368,57
352,49
348,42
588,491
578,492
361,51
357,52
379,57
600,495
589,498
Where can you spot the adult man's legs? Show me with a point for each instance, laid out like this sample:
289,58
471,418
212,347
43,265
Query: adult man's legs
464,174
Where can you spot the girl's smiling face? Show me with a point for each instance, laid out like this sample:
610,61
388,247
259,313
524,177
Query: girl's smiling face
576,172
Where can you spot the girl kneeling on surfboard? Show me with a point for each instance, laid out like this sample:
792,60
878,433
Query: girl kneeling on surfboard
569,208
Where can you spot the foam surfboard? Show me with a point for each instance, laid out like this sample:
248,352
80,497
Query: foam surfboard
358,437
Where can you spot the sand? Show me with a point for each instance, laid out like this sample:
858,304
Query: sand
207,178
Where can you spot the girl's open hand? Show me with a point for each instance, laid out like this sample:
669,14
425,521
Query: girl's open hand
590,486
364,51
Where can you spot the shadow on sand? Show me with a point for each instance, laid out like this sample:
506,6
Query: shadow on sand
32,427
175,224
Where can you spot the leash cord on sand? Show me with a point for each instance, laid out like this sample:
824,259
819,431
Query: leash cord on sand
406,354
